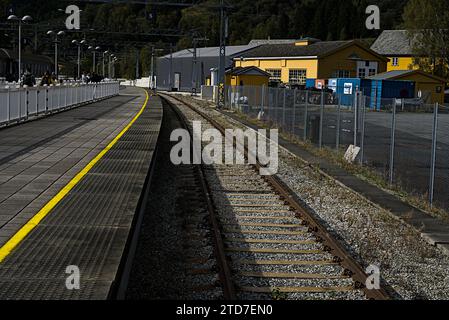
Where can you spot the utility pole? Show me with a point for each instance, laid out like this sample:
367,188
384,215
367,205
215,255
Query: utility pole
221,72
152,69
170,75
195,64
137,64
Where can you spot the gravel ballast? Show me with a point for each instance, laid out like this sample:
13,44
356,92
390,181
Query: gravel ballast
410,267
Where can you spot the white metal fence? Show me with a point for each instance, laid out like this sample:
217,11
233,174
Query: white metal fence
18,104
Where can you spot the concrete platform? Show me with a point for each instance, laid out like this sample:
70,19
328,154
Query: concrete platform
90,225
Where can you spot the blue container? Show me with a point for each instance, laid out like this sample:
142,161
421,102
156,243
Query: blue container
390,89
310,83
346,88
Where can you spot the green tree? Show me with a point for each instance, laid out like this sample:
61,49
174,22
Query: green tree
428,25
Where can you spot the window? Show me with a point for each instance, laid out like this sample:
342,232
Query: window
395,62
372,72
361,73
275,74
341,74
297,76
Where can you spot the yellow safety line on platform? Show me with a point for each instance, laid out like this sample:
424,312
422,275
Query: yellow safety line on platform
17,238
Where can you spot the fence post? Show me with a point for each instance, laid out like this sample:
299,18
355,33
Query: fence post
393,132
27,103
362,134
306,106
268,105
262,101
356,107
46,100
37,100
20,103
295,92
434,152
283,110
337,137
8,99
275,106
320,142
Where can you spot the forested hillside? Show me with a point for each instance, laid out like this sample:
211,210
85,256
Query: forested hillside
248,19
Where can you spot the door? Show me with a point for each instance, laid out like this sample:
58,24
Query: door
177,83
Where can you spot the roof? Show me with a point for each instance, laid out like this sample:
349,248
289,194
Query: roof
258,42
396,74
211,51
393,43
291,50
26,57
315,50
247,70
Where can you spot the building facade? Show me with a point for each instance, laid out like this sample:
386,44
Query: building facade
397,47
428,87
181,73
314,59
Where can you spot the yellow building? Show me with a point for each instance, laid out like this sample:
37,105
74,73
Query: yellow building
428,87
313,59
397,47
248,76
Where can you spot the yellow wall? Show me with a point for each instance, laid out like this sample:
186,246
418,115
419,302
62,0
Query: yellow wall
248,80
310,65
339,61
317,68
404,63
427,84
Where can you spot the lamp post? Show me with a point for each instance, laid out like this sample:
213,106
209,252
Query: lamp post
104,72
94,50
111,56
79,44
56,41
153,51
14,18
114,60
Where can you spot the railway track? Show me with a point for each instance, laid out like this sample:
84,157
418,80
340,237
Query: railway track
266,244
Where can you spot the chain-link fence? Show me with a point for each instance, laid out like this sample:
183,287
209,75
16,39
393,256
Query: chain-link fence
406,141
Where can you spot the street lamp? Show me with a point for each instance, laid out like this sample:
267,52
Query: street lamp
79,44
106,52
111,56
56,41
94,50
24,19
153,51
114,60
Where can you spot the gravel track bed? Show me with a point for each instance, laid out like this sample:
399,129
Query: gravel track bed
353,295
304,237
223,181
410,267
237,220
242,227
273,282
252,256
233,213
330,269
280,246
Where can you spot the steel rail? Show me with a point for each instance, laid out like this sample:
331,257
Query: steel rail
224,269
333,246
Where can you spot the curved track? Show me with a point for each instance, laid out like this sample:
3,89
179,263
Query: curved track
267,244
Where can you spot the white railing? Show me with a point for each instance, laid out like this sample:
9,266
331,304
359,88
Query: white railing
19,104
